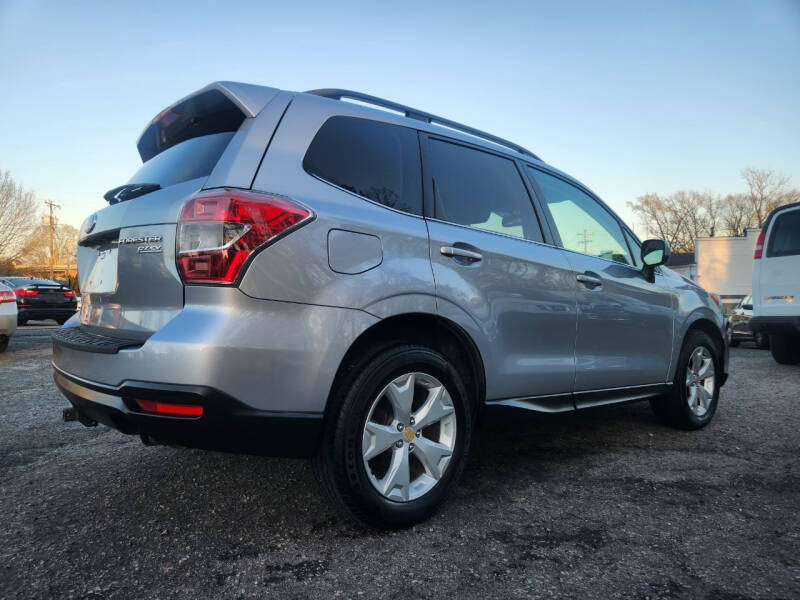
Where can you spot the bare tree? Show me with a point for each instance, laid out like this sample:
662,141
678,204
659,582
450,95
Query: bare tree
766,190
17,213
735,214
679,218
65,245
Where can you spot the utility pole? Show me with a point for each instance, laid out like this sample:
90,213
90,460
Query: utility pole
584,238
52,205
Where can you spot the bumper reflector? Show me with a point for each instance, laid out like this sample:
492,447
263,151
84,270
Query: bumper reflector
164,408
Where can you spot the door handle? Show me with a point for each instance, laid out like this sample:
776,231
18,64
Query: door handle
455,252
589,281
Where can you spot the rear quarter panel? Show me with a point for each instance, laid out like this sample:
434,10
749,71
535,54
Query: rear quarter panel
298,267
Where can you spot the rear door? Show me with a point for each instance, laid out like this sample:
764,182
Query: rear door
777,273
493,271
126,254
625,324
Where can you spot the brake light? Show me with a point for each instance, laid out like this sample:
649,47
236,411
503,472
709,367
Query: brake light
166,408
69,294
759,245
26,292
220,229
7,296
716,299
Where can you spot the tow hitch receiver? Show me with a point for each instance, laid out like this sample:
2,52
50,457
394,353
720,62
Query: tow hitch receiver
71,413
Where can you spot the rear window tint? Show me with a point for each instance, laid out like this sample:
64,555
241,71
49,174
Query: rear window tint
190,159
375,160
481,190
784,240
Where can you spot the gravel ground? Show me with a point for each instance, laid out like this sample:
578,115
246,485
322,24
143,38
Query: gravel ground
603,504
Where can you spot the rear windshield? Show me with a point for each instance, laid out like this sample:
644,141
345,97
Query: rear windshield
23,281
785,237
190,159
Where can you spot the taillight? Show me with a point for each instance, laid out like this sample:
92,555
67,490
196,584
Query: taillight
69,294
716,299
26,292
167,408
759,245
220,229
7,296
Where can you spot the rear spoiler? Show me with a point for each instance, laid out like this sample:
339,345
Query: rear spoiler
248,99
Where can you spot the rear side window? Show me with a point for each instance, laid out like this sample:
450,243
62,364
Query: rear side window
375,160
481,190
784,240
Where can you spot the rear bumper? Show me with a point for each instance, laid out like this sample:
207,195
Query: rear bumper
8,321
39,314
775,325
226,424
270,356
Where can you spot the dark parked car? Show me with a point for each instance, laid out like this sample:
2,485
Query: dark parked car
739,325
39,299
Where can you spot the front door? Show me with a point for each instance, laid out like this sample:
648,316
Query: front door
625,323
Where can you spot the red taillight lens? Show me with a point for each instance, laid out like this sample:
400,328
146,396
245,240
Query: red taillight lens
26,292
759,246
220,229
69,294
166,408
7,296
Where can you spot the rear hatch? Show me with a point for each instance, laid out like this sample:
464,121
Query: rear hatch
126,256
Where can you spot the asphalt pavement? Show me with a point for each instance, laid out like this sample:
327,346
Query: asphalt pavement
606,503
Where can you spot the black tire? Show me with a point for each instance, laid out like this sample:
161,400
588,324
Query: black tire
784,348
4,339
734,343
21,321
339,465
61,321
673,407
761,340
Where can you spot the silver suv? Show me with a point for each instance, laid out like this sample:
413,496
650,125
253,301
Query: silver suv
332,275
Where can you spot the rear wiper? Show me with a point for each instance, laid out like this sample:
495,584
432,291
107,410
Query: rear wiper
129,191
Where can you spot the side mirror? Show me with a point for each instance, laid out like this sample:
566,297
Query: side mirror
747,306
654,253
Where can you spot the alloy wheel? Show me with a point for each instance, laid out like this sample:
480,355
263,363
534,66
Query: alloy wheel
700,380
409,436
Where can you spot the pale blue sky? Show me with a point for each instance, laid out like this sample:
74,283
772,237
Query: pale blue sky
629,97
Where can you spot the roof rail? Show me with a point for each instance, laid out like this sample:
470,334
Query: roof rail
413,113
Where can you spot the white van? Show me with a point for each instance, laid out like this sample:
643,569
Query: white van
776,283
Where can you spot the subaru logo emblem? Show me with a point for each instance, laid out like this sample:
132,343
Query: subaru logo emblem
91,223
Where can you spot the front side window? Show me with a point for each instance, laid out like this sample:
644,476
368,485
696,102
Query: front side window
481,190
584,225
375,160
784,240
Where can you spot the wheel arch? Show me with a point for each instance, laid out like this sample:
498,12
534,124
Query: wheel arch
706,325
425,329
